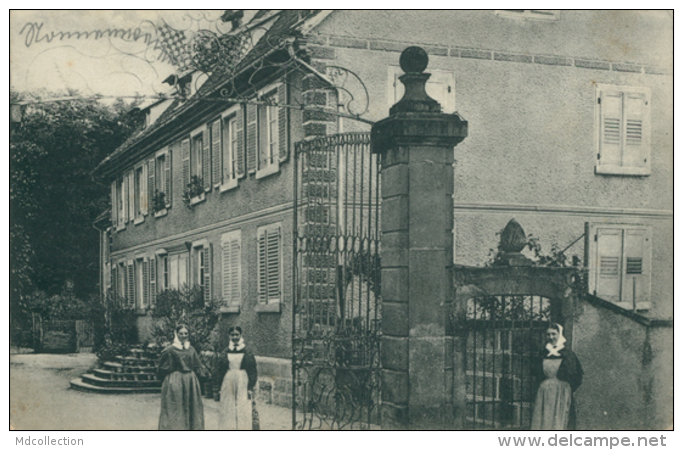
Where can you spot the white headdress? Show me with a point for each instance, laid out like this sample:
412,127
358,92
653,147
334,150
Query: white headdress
554,350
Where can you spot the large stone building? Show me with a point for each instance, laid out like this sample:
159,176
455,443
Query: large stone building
570,132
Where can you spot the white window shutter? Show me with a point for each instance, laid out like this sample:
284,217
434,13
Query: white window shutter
144,188
636,270
608,264
206,264
131,196
168,186
114,205
186,162
206,160
226,262
216,152
124,200
611,126
239,151
273,256
145,283
152,281
252,137
151,183
262,267
130,285
283,114
231,268
634,153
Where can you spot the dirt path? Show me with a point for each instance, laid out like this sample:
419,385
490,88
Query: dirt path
41,399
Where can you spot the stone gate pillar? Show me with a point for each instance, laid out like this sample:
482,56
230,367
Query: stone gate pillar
416,145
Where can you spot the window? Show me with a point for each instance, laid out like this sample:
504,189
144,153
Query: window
267,131
622,130
201,267
119,207
177,269
269,267
440,87
159,182
140,193
530,14
197,156
161,276
231,148
619,258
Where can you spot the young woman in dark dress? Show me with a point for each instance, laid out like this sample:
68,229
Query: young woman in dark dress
181,396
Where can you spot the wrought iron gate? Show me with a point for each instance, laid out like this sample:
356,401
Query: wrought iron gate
500,315
503,335
336,284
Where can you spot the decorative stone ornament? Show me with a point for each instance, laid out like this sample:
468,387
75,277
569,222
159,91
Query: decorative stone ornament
512,242
513,238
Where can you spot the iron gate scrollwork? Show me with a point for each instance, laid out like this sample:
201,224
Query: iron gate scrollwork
336,331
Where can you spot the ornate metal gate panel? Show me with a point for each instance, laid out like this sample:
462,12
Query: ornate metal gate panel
336,284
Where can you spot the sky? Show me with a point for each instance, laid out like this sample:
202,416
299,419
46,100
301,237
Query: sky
46,53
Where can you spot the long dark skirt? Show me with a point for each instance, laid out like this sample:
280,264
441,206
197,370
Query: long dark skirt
181,403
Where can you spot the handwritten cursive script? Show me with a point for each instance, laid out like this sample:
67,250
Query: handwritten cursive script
35,34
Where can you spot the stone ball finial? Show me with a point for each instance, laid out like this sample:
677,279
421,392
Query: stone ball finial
414,60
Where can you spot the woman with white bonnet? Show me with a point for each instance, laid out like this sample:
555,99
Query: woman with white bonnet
235,377
181,396
561,372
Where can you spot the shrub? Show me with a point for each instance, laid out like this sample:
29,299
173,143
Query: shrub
186,306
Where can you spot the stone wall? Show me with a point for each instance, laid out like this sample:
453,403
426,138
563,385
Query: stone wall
274,381
628,380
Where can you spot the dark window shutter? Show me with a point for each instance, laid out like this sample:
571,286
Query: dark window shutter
283,114
239,130
252,137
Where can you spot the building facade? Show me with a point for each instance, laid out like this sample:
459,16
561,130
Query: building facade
570,132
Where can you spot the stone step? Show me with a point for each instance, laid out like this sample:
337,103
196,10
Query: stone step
120,368
103,382
80,385
120,376
131,360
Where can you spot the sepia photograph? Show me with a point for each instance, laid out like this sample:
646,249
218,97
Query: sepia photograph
342,220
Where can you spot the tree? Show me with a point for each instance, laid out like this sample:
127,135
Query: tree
53,197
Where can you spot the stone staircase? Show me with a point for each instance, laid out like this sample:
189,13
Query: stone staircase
132,373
